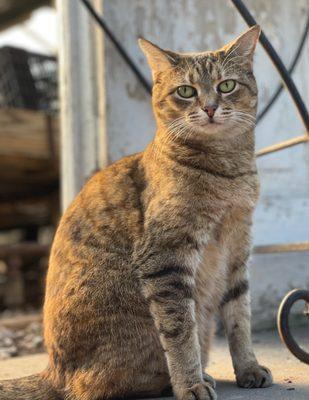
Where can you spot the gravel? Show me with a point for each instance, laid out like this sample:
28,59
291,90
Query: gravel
19,342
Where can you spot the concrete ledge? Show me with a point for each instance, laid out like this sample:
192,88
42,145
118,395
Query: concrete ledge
271,277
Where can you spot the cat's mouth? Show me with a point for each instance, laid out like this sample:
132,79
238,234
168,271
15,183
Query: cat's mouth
211,121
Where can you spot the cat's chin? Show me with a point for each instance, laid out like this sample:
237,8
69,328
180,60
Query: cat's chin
211,128
216,131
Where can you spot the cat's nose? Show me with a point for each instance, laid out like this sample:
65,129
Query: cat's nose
210,110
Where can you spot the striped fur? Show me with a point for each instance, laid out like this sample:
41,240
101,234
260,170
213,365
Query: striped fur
157,244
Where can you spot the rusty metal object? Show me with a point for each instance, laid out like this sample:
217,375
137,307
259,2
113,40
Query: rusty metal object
283,322
283,145
281,248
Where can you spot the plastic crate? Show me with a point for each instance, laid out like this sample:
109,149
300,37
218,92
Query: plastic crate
28,80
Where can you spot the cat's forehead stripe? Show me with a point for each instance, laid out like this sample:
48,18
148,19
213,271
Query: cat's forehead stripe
202,67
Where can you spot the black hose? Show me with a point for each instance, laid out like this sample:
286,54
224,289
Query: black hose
284,326
288,81
274,97
134,68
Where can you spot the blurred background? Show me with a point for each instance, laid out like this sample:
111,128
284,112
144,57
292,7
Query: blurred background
49,49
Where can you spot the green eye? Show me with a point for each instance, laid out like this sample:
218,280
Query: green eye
186,91
227,86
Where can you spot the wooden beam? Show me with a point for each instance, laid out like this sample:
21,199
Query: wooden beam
25,212
24,249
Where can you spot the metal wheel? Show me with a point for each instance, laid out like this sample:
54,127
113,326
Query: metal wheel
283,322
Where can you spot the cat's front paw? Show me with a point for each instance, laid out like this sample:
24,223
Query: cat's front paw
199,391
256,376
209,379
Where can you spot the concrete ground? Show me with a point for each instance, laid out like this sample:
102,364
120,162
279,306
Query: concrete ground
290,375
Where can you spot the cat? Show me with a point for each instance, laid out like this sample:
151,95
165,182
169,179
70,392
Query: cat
157,244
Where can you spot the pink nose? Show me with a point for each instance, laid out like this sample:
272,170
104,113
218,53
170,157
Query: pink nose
210,110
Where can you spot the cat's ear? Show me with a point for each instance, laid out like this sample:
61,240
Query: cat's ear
245,44
158,59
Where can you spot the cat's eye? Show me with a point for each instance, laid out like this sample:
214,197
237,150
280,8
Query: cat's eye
186,91
227,86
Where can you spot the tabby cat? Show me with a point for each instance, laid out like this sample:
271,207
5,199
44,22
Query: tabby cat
157,244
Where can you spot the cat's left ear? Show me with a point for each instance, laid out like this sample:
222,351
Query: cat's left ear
158,59
245,44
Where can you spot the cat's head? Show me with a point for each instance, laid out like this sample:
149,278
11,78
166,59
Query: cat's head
208,94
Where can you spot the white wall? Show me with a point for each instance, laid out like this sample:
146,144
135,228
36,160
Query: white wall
282,215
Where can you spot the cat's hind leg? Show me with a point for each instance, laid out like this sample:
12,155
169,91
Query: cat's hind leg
236,315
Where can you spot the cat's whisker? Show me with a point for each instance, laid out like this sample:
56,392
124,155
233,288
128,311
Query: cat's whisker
230,54
244,118
188,134
243,112
228,71
231,61
174,122
245,122
188,66
233,58
175,130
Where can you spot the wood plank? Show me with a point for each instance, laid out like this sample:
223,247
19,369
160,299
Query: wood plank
14,187
28,212
26,133
20,321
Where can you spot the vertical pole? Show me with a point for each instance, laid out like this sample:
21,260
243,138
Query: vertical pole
81,77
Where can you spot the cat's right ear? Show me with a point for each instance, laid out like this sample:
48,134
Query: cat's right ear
158,59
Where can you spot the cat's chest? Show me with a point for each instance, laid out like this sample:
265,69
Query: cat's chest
219,208
213,200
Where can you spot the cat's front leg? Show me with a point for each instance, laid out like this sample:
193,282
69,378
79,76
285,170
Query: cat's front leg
168,285
236,315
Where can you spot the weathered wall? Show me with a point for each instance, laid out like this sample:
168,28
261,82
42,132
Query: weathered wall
282,215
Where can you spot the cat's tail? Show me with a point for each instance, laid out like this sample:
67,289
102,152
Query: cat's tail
34,387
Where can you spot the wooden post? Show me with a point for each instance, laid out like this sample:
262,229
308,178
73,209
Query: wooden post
81,76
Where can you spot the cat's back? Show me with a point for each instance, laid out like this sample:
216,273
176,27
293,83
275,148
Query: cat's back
101,225
92,290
